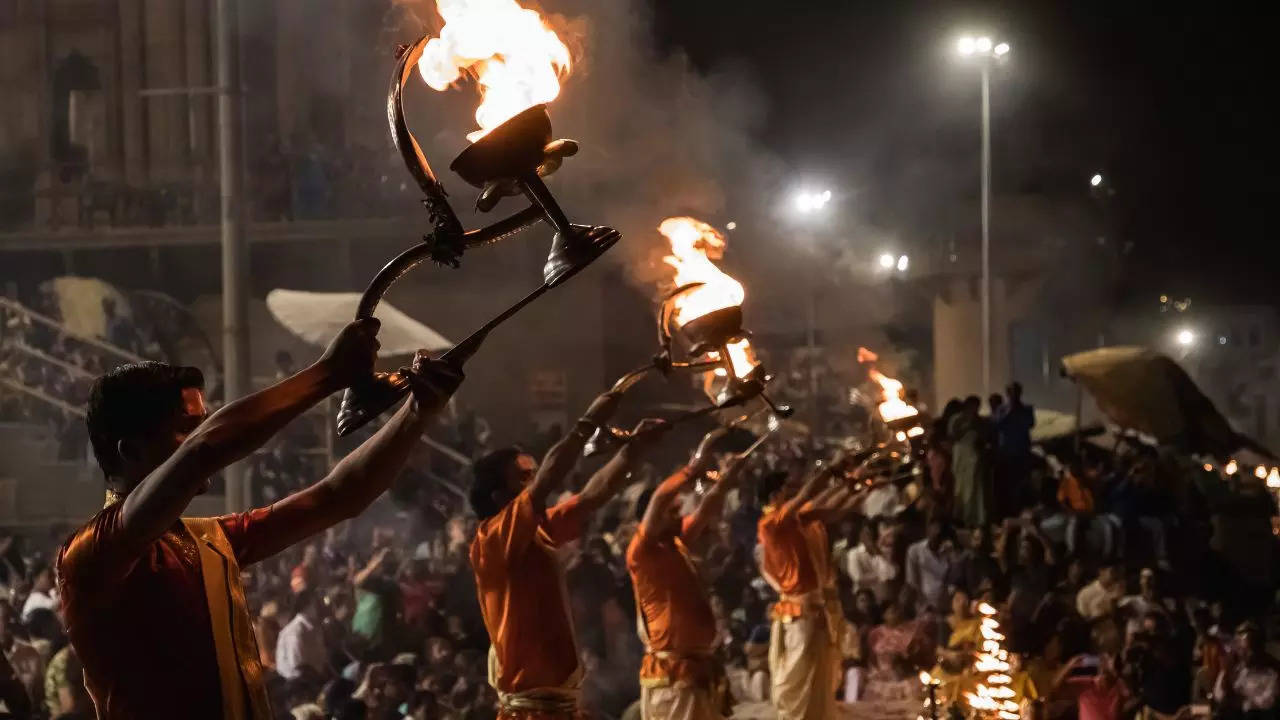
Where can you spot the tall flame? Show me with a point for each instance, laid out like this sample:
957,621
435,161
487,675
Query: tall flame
694,244
516,58
893,407
993,694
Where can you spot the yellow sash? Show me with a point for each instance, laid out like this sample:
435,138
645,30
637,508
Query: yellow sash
244,696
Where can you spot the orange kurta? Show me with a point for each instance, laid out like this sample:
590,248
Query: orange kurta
676,616
794,552
522,596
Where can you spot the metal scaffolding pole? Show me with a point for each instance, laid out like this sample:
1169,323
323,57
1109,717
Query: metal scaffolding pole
235,260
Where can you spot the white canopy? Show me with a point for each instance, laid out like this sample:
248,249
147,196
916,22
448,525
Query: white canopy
316,317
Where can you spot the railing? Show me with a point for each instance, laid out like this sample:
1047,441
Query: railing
63,330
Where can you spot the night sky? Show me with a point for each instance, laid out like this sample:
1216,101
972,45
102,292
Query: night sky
1167,101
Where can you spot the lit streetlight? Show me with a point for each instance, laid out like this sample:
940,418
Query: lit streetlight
1096,180
987,52
807,202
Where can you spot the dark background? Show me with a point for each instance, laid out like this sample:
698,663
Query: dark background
1167,100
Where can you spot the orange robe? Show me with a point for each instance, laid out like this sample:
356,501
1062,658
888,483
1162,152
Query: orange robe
804,657
533,659
141,622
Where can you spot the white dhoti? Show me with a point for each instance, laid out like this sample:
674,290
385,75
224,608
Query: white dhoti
679,702
804,666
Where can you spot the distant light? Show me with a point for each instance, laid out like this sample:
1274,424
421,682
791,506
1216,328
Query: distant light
1260,472
1231,467
901,436
1208,467
887,262
1096,180
1164,298
1222,339
903,262
916,431
731,225
965,46
1002,49
1185,337
1273,478
809,202
982,44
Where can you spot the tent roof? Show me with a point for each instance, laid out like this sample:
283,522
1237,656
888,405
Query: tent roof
317,317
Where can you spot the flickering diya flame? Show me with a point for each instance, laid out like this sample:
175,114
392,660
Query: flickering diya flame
994,694
892,407
517,60
694,245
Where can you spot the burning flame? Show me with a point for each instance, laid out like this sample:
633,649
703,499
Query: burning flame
893,407
1231,467
1273,478
1260,472
517,60
694,244
993,693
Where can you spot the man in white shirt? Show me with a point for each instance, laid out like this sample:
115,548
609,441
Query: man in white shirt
301,642
928,563
43,595
868,564
1099,598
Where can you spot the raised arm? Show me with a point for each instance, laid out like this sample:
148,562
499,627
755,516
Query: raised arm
238,429
610,478
712,504
563,456
360,477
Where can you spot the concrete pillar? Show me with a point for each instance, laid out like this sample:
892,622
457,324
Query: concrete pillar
164,68
133,153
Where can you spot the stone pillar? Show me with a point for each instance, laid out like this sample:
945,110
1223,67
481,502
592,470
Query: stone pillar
133,143
165,68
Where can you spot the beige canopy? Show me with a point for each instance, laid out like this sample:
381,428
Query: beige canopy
316,317
1145,391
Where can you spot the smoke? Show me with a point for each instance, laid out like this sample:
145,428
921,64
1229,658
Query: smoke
658,137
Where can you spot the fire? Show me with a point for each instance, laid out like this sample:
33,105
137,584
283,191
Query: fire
1273,478
694,244
993,695
893,407
517,60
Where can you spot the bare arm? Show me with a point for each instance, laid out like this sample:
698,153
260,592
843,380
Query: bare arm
563,456
240,428
610,478
375,563
712,504
667,493
360,477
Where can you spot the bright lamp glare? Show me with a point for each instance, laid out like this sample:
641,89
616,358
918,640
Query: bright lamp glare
965,46
1001,49
804,202
1096,180
1185,337
982,44
826,196
731,225
887,261
903,262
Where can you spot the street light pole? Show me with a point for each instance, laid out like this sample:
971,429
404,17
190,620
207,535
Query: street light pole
986,229
235,291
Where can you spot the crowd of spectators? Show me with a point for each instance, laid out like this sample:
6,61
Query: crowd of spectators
1164,613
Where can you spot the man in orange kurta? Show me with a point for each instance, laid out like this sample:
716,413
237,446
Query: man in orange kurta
680,677
152,600
533,659
804,654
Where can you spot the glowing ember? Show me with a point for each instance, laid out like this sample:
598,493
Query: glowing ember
517,60
694,244
893,407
